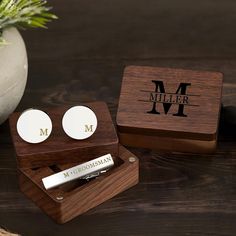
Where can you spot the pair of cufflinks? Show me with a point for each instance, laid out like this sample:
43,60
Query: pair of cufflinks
78,122
35,126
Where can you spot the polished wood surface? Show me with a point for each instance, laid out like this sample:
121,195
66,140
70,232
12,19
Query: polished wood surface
67,201
200,115
81,57
169,109
60,148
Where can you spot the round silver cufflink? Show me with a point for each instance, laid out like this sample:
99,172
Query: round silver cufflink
79,122
34,126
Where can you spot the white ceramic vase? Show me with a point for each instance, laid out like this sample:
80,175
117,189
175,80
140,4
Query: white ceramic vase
13,72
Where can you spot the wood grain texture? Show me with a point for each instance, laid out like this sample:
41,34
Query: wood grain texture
61,149
144,121
202,109
80,58
79,197
160,143
190,193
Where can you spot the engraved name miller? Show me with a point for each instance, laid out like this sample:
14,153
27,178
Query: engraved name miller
167,99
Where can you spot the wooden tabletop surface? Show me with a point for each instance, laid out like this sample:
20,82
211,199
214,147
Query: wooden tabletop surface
81,58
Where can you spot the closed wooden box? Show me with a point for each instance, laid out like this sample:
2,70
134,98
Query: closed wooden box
169,109
61,149
67,201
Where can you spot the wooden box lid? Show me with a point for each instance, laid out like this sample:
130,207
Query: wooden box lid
173,103
61,149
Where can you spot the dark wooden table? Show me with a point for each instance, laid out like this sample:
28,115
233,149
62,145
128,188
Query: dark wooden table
81,58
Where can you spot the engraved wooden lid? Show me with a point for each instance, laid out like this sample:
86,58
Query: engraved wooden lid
170,102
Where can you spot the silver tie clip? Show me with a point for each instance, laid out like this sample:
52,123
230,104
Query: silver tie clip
87,170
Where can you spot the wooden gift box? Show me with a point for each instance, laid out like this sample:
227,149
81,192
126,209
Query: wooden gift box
61,149
72,199
169,109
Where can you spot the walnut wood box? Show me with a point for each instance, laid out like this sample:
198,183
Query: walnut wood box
72,199
169,109
61,149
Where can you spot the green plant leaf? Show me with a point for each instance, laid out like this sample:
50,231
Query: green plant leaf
24,14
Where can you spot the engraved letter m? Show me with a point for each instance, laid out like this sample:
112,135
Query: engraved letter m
181,90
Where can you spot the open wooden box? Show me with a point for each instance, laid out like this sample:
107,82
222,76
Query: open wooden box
72,199
60,152
169,109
